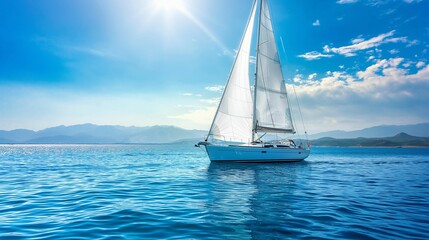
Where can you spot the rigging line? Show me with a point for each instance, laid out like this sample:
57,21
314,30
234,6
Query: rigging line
299,135
299,107
292,116
283,46
288,104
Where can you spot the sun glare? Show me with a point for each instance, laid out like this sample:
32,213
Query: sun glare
169,4
171,7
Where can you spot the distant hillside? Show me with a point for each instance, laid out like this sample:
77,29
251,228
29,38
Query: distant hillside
399,140
91,133
421,130
17,135
4,140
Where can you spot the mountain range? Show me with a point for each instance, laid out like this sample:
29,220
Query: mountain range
420,130
399,140
91,133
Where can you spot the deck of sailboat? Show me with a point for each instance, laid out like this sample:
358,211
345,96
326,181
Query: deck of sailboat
262,145
255,153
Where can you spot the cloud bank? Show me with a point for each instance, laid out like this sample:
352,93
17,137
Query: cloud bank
385,92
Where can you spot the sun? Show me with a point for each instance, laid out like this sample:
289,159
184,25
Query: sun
169,4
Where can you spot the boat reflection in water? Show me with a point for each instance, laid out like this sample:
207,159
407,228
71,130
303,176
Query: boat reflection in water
255,201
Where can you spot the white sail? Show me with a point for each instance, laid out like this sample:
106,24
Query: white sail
272,113
233,119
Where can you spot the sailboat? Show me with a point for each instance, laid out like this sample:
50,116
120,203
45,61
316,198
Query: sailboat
244,114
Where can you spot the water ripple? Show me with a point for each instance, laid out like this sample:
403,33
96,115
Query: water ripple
174,192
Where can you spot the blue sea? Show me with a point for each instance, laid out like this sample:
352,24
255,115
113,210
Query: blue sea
174,192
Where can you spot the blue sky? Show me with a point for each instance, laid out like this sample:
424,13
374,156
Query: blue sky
353,63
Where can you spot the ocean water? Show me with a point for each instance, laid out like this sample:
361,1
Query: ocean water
174,192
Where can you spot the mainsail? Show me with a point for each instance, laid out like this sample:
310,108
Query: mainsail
272,112
233,119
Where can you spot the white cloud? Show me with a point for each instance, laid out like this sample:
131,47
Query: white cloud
390,11
215,88
211,101
396,40
384,2
316,23
360,44
346,1
252,59
412,1
312,76
407,64
200,117
384,93
298,78
394,51
377,2
191,94
412,43
357,40
186,106
420,64
409,19
314,55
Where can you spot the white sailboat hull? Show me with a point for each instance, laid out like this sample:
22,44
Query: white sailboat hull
258,154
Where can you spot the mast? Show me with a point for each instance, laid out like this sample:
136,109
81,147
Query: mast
256,74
